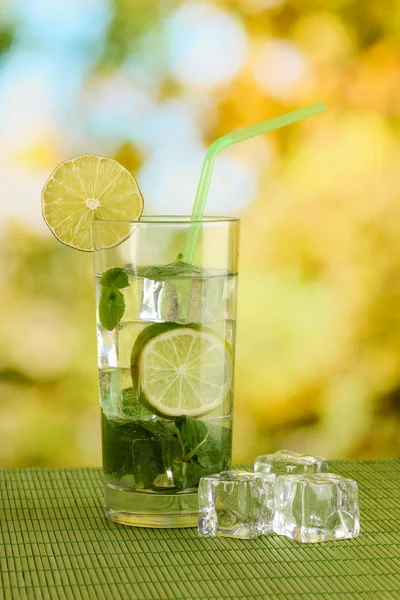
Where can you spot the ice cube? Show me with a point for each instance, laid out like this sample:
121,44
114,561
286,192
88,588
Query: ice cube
107,347
155,457
147,460
133,299
115,347
206,300
236,504
112,387
151,300
130,406
286,462
316,508
127,333
229,298
136,456
160,301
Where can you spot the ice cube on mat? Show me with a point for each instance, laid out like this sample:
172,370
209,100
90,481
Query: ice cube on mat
236,504
288,462
316,508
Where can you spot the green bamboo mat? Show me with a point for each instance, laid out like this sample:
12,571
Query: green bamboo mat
56,544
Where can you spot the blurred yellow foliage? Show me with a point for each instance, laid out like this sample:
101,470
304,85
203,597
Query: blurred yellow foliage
318,365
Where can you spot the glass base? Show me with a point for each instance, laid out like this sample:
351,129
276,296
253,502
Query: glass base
141,509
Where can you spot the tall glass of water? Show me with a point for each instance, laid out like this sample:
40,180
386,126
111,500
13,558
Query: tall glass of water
166,356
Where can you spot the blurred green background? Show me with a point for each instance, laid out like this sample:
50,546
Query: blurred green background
152,84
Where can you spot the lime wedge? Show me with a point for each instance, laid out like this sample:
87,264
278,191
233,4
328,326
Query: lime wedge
181,370
85,188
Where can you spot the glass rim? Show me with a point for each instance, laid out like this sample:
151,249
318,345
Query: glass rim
170,220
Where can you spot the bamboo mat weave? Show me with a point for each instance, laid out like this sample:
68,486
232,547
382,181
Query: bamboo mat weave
56,544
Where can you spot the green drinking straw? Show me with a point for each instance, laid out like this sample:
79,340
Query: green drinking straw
224,142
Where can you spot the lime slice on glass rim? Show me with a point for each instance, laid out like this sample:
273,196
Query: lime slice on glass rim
181,369
85,188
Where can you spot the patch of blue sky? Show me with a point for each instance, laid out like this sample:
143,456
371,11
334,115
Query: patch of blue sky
123,111
39,87
168,180
123,103
58,26
207,46
234,186
171,125
116,108
56,46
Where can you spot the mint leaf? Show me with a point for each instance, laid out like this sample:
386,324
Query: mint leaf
209,445
175,270
146,449
111,307
112,302
192,447
115,277
162,427
178,268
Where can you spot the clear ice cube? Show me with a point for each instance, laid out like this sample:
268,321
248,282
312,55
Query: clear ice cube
206,300
131,408
115,347
140,458
163,300
229,297
157,459
316,508
148,463
286,462
236,504
158,301
126,335
113,383
107,347
179,299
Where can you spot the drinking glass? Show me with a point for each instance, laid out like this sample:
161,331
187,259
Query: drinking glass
166,354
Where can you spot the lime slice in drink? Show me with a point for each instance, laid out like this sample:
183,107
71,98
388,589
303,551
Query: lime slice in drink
88,187
181,370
